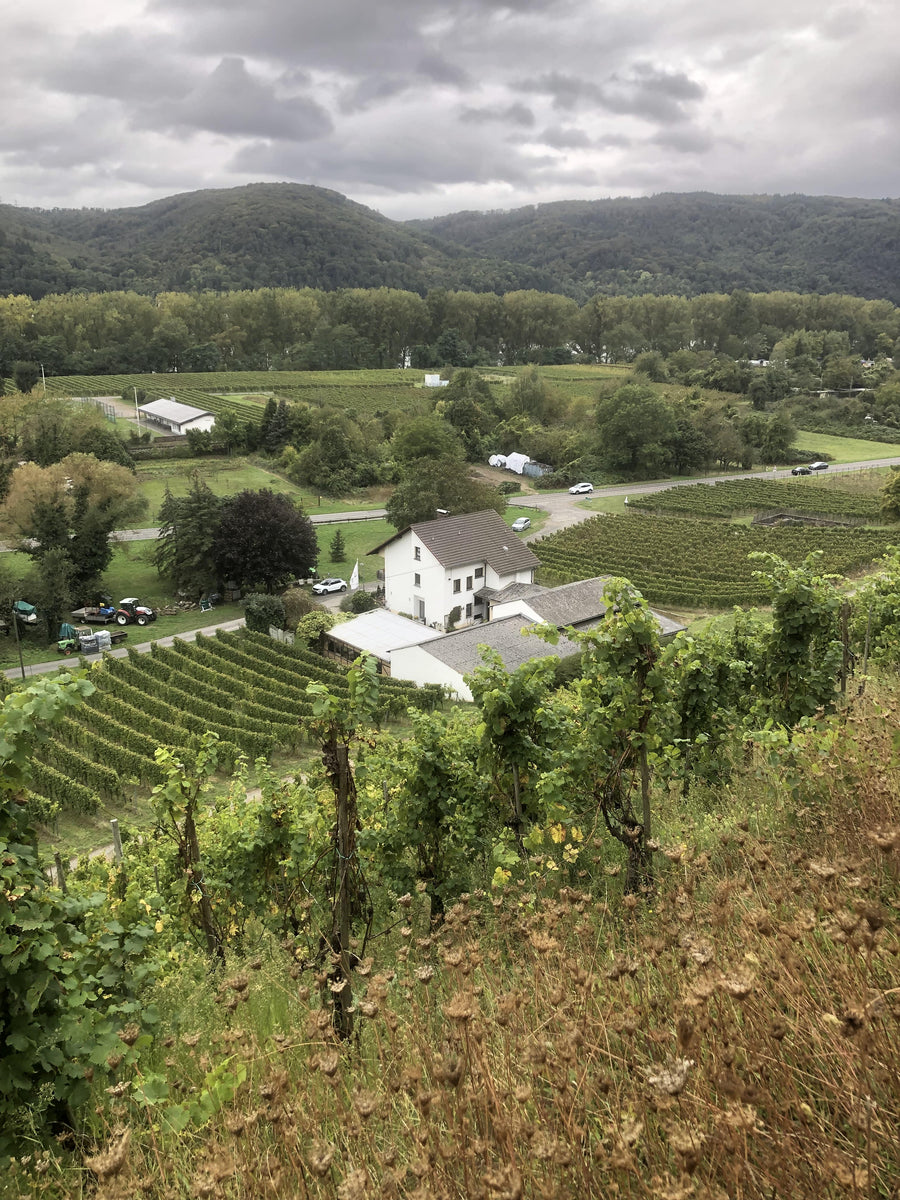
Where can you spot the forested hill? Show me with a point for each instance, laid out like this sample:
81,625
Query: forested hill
262,235
687,244
289,235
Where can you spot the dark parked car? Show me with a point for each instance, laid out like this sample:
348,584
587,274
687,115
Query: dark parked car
818,466
801,471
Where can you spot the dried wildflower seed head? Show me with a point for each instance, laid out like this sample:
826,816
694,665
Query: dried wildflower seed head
670,1080
110,1161
460,1008
449,1072
190,1039
319,1158
328,1062
886,840
738,985
365,1104
130,1034
853,1021
404,901
425,974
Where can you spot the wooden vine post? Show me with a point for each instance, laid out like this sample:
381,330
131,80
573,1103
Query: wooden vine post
335,722
341,919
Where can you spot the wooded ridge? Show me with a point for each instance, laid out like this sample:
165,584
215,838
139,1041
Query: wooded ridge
292,235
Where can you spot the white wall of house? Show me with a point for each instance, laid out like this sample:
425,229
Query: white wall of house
421,587
424,589
205,422
414,663
514,608
414,580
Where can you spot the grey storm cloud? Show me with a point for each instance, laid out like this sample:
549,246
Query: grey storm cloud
512,114
685,140
473,103
427,159
230,101
645,91
561,138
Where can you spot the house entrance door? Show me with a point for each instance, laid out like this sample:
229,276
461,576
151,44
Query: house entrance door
420,610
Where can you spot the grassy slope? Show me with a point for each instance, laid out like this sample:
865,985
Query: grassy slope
226,476
735,1034
844,450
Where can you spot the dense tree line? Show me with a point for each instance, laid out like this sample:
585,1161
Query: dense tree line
350,328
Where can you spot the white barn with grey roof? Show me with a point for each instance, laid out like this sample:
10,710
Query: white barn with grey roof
378,633
176,417
448,659
579,605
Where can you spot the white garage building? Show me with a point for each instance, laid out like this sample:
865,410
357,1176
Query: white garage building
176,417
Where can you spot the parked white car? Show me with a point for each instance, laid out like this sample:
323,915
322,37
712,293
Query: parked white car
332,584
578,489
520,524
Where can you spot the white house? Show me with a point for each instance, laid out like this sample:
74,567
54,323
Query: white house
177,417
435,572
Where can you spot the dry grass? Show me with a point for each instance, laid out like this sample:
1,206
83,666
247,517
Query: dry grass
734,1036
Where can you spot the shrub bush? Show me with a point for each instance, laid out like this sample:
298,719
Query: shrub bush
262,611
358,602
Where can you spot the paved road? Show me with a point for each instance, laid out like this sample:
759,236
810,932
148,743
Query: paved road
564,510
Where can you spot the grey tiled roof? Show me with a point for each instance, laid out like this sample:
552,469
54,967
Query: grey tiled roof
570,603
515,591
459,650
580,604
473,538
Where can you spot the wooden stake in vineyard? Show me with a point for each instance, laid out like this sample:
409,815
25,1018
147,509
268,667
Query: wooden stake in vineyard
335,722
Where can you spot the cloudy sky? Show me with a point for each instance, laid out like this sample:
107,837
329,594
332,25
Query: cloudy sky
417,108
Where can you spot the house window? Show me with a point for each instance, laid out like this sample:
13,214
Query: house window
479,572
457,586
468,583
468,611
417,553
417,579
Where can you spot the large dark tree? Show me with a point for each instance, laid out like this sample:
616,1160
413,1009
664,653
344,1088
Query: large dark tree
635,427
26,375
263,540
185,546
428,485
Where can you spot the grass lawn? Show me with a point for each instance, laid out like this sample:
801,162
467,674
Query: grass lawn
607,504
226,477
538,518
359,538
845,450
